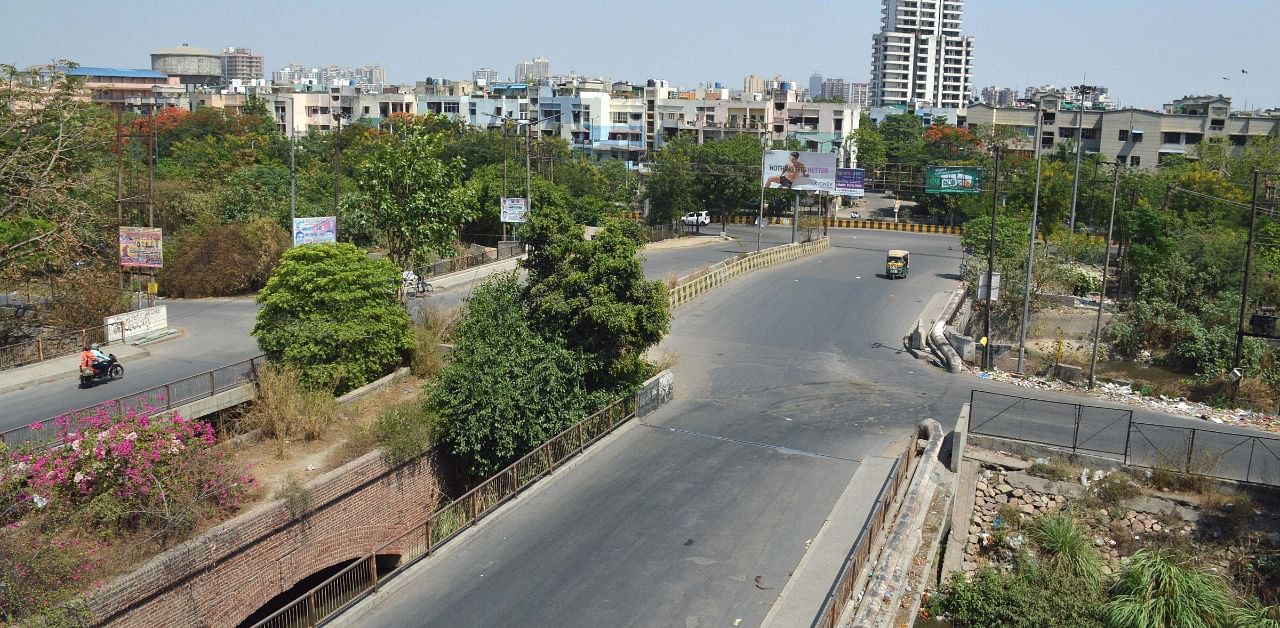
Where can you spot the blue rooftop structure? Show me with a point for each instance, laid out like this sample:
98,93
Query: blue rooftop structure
114,72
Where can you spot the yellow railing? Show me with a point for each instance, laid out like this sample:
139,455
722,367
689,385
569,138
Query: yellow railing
690,286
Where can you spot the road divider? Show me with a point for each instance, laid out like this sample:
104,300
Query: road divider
690,286
846,223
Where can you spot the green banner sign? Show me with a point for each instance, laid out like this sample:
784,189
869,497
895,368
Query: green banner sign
952,180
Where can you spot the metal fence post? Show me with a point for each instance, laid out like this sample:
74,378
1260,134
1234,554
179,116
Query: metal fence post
373,572
212,383
1128,433
311,609
168,397
1075,438
1191,447
429,543
1248,472
580,439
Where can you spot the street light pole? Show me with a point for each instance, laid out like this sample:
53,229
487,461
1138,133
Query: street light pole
1031,252
1106,266
991,259
293,178
1075,183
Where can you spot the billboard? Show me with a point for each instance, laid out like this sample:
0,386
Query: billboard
514,210
952,180
851,182
141,247
799,171
316,230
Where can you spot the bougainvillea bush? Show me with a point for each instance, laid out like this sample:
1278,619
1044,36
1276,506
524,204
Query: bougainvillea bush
112,480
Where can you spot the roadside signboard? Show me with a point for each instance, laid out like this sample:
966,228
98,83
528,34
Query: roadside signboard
799,171
952,180
851,182
515,210
316,230
982,286
141,247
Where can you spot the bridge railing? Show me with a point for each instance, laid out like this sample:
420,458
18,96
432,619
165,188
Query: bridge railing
842,591
160,398
361,577
1112,433
56,345
692,285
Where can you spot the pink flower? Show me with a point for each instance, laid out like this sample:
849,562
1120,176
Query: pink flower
37,426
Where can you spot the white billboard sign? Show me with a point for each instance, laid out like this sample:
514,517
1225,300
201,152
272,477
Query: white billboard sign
515,210
799,171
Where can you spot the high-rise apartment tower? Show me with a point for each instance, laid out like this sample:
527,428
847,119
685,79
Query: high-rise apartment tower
920,56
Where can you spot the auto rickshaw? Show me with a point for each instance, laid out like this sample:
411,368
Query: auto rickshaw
897,263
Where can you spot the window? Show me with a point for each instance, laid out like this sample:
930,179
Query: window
366,110
1066,132
1135,160
451,107
1193,138
1171,137
1217,124
1135,135
619,117
1089,134
1049,118
1239,140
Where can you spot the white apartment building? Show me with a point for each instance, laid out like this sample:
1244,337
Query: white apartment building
920,56
533,70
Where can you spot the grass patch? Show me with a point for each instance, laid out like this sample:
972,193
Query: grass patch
1055,470
298,498
1161,588
428,357
287,410
1066,547
406,430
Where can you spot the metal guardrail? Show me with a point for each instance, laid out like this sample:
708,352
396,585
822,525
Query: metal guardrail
55,346
159,398
841,592
342,590
690,286
504,250
1113,433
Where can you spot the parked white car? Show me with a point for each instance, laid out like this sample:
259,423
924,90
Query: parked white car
697,219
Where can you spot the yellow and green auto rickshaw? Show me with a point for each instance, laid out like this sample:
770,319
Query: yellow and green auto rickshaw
897,263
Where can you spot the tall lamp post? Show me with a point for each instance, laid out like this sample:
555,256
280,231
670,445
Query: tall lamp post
1031,250
1075,183
527,123
991,259
1106,266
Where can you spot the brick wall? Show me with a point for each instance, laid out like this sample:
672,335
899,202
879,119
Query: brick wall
227,573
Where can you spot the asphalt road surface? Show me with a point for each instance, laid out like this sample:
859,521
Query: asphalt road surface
215,332
785,380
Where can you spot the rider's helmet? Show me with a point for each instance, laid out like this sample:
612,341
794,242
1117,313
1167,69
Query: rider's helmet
94,346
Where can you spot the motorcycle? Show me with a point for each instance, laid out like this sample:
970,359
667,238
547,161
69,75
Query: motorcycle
106,371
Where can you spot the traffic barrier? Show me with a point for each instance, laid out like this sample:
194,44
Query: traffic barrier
842,223
690,286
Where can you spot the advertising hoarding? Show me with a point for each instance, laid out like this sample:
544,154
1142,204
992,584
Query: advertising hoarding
952,180
515,210
316,230
141,247
851,182
799,171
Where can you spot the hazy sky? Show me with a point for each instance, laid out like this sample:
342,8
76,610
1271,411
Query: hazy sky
1146,51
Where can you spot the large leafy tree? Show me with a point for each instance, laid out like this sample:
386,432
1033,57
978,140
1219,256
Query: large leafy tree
594,295
508,387
54,209
731,173
407,193
903,137
333,313
870,145
671,187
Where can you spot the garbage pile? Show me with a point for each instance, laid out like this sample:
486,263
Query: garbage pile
1124,393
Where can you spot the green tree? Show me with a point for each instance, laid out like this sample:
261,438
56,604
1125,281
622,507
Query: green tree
671,186
732,179
507,387
406,193
903,137
594,295
334,314
870,145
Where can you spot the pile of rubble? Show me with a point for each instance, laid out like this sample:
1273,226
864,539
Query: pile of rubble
999,495
1123,393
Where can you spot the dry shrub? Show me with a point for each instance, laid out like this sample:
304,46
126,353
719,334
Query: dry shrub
298,498
83,298
211,260
285,409
428,357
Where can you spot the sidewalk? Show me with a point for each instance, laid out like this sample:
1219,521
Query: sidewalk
805,593
67,366
444,282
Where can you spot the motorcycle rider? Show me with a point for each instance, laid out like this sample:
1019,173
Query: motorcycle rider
87,359
100,359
